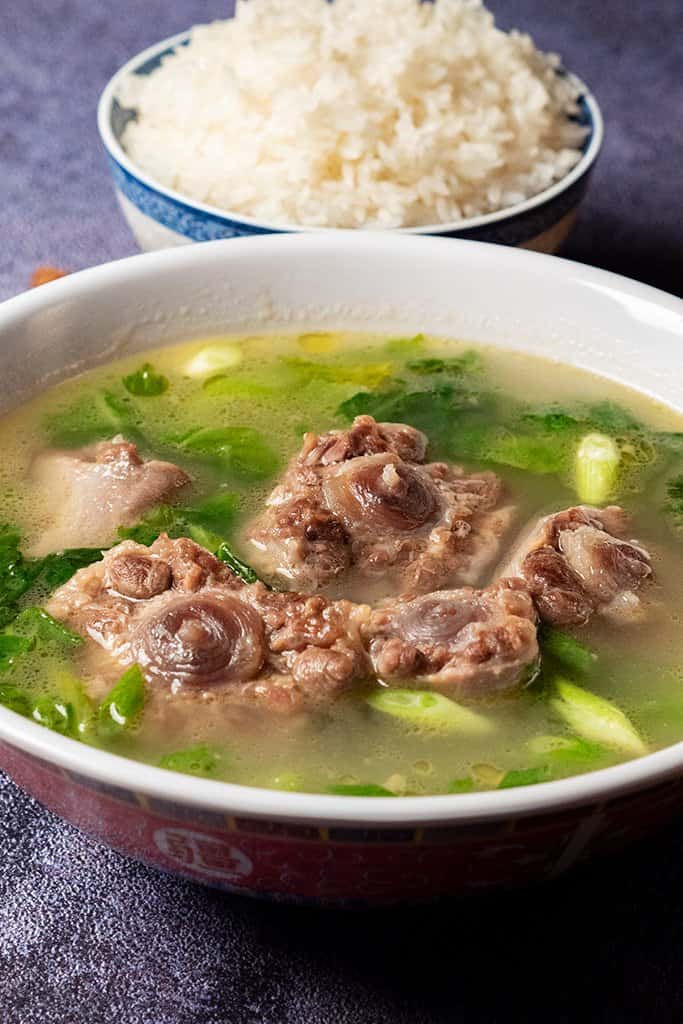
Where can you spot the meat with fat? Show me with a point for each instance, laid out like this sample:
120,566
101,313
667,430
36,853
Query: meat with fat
577,562
461,642
92,491
364,498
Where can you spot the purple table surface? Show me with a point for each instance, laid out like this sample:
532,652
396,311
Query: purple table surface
88,936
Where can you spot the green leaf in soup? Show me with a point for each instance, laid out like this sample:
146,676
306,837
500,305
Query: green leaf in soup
425,709
162,519
200,760
524,777
464,785
610,418
372,375
124,702
245,572
17,574
240,450
468,363
71,691
535,455
146,382
237,387
552,420
566,649
359,789
100,416
216,513
12,647
566,754
60,566
595,719
53,713
435,411
15,699
36,622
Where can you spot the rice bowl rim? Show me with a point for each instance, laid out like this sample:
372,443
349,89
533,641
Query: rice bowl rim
157,50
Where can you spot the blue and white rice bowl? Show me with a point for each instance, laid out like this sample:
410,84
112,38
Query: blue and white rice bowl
160,217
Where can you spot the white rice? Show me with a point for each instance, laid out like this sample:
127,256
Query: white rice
377,113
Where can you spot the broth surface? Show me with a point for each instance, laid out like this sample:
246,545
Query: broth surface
496,409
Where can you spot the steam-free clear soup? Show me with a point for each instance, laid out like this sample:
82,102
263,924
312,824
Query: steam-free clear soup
482,408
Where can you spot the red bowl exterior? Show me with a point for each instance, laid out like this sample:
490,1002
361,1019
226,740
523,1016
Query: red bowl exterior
339,865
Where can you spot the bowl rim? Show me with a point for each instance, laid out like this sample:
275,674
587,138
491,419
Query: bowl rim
313,808
117,153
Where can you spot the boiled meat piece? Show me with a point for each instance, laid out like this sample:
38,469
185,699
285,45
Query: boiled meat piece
577,562
461,642
94,490
195,628
363,498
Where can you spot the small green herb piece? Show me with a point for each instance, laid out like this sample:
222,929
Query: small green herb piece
122,704
596,468
565,752
145,382
360,789
60,566
53,713
464,785
596,719
234,562
240,450
71,691
15,699
201,760
524,777
451,366
430,710
35,622
11,647
566,649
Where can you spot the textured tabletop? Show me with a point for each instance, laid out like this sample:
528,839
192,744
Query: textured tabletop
87,936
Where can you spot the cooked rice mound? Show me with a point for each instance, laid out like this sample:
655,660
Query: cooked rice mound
377,113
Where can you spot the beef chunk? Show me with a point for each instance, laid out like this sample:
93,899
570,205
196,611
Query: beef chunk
462,642
576,563
94,490
194,627
363,498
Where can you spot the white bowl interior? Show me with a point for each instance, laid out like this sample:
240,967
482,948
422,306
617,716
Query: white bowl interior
481,293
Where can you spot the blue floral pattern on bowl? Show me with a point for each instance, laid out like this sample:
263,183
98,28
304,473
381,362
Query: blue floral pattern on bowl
541,222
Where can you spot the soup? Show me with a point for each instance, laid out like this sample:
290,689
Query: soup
464,577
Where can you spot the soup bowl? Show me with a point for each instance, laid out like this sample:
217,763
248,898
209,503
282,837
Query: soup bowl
159,216
324,848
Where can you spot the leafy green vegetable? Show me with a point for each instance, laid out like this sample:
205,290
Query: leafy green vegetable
234,562
433,411
70,690
453,366
216,514
524,777
200,760
566,649
98,416
17,574
11,647
237,387
122,704
35,622
53,713
431,710
596,468
366,789
464,785
59,566
566,753
145,382
596,719
15,699
372,375
242,451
